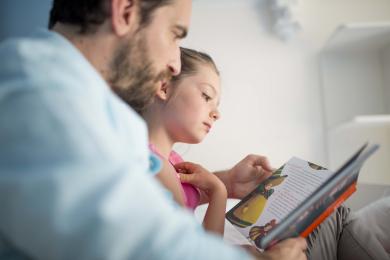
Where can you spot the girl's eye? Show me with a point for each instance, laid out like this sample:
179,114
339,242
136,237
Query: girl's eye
206,97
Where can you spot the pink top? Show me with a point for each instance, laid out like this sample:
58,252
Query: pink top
190,192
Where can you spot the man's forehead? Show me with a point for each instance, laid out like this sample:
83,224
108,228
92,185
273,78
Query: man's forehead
180,11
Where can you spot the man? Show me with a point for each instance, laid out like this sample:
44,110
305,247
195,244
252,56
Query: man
74,167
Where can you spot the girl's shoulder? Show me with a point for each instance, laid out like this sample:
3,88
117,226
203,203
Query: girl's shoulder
175,158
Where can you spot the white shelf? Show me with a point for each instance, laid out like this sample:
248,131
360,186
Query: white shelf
377,120
355,68
363,121
355,73
359,37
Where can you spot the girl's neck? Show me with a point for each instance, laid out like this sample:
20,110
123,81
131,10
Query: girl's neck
158,135
160,139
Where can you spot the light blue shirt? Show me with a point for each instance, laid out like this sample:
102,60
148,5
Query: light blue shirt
75,181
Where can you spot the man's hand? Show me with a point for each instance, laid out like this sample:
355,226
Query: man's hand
293,248
246,175
290,249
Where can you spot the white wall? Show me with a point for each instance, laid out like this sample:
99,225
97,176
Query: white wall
271,101
386,76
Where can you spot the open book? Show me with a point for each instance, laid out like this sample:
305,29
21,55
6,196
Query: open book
295,199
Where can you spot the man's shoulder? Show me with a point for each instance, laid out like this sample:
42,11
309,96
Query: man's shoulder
45,59
37,47
51,96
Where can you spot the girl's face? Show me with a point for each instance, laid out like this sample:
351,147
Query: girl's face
192,105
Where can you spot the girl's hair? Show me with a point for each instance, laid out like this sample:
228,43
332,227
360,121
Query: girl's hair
190,61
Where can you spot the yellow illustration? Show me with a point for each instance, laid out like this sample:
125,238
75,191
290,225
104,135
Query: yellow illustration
256,233
250,208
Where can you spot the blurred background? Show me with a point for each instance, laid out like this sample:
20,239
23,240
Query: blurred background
19,17
305,78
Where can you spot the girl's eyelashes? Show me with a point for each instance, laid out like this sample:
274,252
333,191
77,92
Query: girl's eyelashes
206,97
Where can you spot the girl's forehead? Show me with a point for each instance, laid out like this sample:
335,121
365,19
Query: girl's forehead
208,75
205,77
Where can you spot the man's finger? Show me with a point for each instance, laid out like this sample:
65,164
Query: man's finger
263,162
262,174
298,242
301,242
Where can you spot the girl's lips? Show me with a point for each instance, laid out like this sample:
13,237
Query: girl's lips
208,126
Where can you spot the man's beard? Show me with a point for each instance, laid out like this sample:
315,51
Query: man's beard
132,76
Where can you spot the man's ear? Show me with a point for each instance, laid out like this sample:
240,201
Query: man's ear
123,16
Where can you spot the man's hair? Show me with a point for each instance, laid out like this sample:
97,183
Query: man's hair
190,61
88,14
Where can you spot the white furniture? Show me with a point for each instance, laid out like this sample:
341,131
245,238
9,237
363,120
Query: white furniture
355,74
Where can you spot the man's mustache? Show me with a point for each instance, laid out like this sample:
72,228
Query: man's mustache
164,76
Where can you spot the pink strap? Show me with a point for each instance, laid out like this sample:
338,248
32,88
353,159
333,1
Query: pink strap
190,192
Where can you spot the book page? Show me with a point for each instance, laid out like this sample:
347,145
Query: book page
274,199
302,180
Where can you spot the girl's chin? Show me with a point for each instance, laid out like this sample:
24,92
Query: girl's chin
194,139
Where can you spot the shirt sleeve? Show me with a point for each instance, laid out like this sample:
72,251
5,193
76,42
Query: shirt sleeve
68,191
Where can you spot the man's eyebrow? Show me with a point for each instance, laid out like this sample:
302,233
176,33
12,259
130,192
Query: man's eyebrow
183,31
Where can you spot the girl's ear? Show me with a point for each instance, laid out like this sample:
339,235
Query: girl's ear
162,91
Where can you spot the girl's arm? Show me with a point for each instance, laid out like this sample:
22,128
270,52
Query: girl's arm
167,177
213,189
214,219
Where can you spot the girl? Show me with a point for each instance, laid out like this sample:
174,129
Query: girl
184,110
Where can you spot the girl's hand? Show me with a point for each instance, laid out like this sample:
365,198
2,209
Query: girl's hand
199,177
213,188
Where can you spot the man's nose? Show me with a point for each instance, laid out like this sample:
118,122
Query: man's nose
175,64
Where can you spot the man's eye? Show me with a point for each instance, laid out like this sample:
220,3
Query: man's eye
178,35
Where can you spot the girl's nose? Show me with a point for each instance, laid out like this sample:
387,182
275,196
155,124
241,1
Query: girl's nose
215,115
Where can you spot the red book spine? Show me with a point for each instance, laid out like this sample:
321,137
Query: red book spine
329,210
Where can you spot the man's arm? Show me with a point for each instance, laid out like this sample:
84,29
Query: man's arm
68,191
288,249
